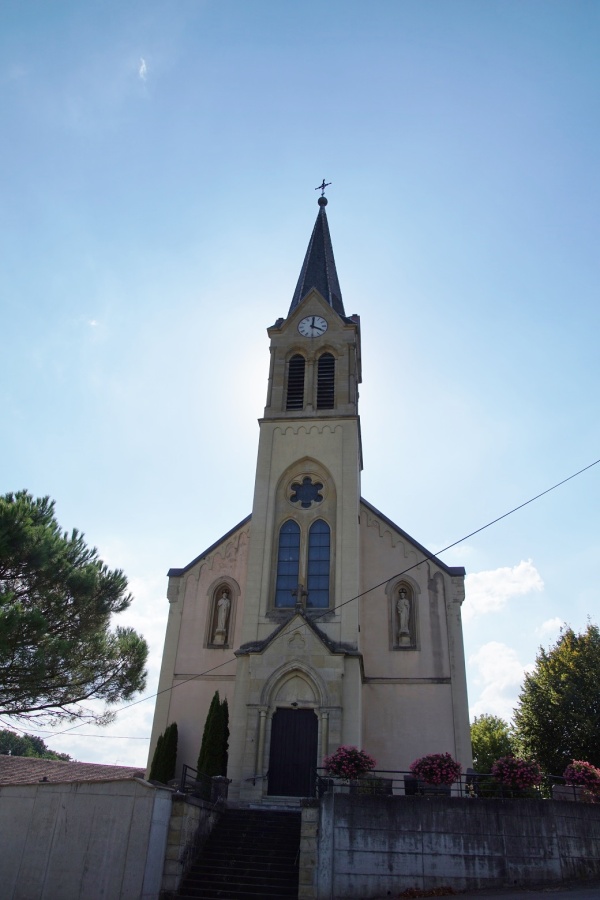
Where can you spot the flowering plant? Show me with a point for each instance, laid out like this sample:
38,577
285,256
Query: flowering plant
515,772
583,773
437,768
348,762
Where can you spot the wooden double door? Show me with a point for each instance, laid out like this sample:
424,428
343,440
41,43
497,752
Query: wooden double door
293,754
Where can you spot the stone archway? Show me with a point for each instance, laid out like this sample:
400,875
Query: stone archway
294,699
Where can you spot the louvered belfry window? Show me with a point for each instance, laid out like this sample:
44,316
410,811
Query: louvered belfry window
326,382
295,386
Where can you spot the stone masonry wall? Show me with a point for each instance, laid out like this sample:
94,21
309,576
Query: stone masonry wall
192,820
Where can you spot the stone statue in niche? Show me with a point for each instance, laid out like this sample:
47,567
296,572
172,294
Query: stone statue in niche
403,609
223,607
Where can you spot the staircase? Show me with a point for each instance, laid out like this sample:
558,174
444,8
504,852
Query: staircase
251,854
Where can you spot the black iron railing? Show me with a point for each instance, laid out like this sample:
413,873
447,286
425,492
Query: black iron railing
470,784
196,783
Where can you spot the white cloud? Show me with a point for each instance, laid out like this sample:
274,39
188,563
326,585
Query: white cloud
143,69
550,628
500,674
93,323
490,591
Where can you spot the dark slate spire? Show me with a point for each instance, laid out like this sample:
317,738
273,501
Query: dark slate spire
318,270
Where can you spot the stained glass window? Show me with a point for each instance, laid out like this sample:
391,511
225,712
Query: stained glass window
319,540
288,557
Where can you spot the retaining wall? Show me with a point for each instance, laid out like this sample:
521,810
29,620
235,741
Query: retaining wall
371,847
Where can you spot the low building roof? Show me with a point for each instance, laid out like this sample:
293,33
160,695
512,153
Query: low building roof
29,770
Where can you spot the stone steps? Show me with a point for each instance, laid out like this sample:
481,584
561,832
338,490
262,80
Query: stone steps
250,854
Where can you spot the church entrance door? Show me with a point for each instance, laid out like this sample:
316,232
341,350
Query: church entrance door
293,755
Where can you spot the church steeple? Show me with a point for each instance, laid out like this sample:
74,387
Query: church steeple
318,270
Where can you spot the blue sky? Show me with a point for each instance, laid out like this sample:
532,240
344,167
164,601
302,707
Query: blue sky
158,170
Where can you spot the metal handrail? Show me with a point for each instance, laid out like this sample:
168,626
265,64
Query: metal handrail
389,782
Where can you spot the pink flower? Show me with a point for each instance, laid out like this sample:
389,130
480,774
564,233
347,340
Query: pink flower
348,763
436,768
515,772
584,774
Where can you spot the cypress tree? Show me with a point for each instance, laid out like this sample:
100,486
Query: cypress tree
157,760
170,752
165,755
224,737
210,758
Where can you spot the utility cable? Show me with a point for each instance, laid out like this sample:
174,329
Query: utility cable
426,558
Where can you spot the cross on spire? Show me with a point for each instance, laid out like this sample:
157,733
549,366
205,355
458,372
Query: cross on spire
322,186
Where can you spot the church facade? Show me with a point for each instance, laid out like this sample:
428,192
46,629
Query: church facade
320,620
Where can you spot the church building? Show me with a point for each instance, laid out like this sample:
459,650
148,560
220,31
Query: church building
319,619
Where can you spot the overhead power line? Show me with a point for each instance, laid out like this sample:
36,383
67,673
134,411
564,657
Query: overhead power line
374,587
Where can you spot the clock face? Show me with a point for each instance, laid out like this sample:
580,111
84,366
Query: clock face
312,326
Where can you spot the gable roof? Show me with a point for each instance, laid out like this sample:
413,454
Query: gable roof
451,570
176,573
299,612
29,770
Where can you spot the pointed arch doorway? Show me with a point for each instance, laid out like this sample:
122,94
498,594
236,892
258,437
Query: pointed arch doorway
293,753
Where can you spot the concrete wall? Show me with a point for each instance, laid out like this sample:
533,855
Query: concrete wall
83,840
369,847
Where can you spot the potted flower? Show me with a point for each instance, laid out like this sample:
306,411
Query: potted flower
438,770
584,780
348,763
520,775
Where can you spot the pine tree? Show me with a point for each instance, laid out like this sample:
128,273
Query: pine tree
57,599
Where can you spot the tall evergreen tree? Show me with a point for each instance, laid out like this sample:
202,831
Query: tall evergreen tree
213,752
157,764
164,759
224,737
170,752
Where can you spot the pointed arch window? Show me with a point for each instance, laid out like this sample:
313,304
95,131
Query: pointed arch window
295,385
288,560
319,553
326,381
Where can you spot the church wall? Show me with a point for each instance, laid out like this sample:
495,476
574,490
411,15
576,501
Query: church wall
404,721
190,647
386,554
414,695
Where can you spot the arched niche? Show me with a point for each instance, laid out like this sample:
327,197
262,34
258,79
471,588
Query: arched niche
222,600
403,613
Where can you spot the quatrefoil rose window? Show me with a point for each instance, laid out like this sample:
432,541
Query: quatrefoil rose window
306,492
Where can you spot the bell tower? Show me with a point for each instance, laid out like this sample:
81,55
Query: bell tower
307,487
303,553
